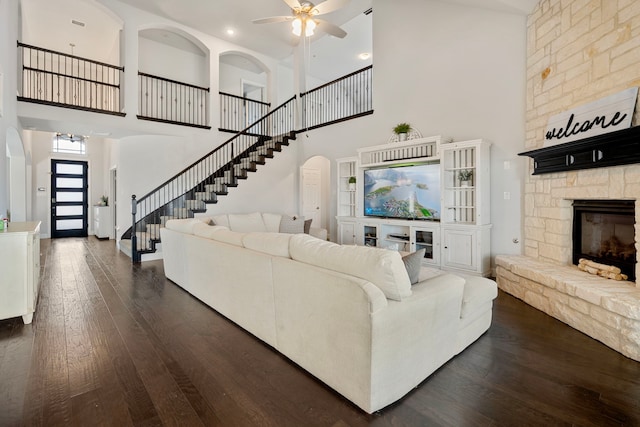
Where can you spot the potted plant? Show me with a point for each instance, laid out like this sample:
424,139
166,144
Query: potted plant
104,201
402,129
465,176
352,183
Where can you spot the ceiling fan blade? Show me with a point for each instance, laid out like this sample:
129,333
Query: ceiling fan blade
329,28
293,4
329,6
272,19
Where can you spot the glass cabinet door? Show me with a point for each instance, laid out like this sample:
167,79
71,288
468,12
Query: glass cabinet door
429,240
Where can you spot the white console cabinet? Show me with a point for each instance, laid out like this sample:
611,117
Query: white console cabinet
461,240
20,265
102,221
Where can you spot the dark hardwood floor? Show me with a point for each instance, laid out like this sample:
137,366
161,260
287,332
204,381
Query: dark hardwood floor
116,344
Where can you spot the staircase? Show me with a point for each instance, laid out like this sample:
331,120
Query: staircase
211,177
205,181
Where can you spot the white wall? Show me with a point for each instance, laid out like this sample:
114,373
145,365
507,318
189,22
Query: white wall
231,79
166,61
47,24
447,70
8,103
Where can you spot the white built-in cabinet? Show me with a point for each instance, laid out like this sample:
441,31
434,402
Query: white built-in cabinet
460,241
466,215
20,278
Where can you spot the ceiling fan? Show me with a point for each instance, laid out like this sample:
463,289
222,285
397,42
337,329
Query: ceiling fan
303,18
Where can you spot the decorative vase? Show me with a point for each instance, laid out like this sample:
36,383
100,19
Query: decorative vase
352,187
465,183
402,136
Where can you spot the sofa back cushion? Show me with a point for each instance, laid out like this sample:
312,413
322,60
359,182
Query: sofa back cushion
228,236
271,222
184,225
244,223
221,219
206,231
269,243
381,267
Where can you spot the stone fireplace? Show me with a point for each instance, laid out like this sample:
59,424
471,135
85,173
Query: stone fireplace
604,232
572,62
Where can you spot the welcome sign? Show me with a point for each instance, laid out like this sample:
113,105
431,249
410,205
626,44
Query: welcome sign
596,118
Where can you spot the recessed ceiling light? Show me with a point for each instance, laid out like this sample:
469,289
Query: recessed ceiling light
364,56
230,32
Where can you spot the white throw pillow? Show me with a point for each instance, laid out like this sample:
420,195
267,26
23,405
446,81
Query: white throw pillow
272,222
244,223
381,267
276,244
292,225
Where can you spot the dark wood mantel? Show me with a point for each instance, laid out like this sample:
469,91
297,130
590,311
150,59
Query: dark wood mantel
612,149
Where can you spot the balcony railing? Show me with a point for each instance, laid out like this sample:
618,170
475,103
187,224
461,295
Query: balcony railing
56,78
170,101
342,99
237,112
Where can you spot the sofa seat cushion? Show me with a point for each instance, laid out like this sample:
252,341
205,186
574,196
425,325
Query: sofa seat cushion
477,292
381,267
275,244
244,223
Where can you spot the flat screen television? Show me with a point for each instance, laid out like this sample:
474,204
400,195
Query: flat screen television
404,191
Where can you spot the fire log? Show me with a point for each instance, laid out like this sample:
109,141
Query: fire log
599,266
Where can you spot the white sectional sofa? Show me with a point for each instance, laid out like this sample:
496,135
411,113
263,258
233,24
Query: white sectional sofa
347,314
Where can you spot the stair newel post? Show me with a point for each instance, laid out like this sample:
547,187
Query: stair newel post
134,237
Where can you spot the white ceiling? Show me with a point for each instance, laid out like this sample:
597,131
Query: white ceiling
214,17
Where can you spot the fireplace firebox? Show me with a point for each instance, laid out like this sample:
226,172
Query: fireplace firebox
604,231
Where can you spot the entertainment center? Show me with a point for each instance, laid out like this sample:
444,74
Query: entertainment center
424,193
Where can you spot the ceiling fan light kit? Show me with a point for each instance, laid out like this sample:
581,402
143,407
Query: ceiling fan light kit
304,19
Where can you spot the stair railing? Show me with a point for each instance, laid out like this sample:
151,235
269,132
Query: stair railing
168,199
342,99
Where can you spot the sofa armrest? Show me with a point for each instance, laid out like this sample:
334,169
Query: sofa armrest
320,233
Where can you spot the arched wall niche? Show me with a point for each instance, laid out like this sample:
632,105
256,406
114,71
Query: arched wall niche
240,73
173,53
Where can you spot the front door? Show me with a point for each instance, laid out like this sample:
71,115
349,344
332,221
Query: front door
69,207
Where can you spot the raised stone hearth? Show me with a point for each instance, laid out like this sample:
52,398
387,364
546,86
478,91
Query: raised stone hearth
606,310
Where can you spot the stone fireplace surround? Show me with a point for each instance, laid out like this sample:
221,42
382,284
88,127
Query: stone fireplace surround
545,278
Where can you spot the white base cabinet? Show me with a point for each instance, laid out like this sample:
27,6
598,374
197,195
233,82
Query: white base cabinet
467,249
347,231
20,265
102,221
